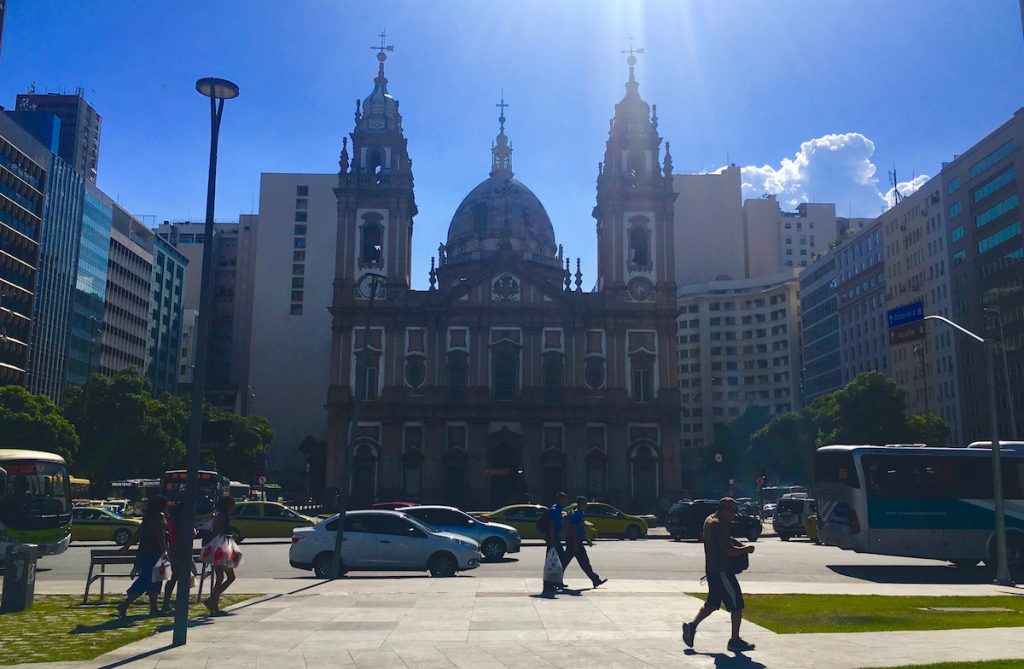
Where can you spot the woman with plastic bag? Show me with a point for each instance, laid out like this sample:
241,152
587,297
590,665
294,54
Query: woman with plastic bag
221,553
151,564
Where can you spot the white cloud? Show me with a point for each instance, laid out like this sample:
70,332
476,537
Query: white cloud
832,168
905,188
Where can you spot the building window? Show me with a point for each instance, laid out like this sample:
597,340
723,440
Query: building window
412,473
296,296
302,203
458,377
302,191
639,245
300,243
506,375
995,212
953,185
296,310
553,378
957,234
299,256
955,209
366,380
300,229
300,216
643,384
593,373
415,372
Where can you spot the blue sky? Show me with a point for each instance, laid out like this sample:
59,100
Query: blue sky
846,84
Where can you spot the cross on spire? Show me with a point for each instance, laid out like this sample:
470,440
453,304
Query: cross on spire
384,46
631,60
501,105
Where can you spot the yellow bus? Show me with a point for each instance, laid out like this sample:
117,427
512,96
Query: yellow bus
35,501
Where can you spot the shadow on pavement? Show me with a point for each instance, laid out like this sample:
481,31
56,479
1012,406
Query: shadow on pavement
916,574
136,658
723,661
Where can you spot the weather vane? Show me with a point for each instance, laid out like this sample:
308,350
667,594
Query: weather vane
631,60
384,46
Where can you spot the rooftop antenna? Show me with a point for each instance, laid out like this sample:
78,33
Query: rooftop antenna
896,196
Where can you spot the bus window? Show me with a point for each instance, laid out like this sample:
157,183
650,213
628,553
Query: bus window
835,467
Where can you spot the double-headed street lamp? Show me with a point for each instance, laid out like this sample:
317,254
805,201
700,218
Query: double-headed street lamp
218,90
1002,568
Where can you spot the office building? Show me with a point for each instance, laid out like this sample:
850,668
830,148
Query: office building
79,127
982,190
126,307
294,240
232,296
738,346
24,164
819,329
914,235
166,317
87,303
861,301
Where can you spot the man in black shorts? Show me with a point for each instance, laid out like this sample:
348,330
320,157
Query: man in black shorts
723,588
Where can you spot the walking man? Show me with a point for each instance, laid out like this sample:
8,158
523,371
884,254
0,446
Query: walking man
575,537
723,588
553,539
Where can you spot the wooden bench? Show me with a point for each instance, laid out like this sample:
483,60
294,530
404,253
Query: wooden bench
103,557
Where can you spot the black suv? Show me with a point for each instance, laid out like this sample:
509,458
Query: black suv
685,520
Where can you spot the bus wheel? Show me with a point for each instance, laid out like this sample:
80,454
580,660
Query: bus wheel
1014,551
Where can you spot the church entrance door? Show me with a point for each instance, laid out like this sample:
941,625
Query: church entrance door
503,472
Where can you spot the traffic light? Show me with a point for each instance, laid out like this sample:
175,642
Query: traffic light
762,479
759,481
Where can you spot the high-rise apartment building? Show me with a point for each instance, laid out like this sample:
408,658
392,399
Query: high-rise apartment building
24,166
819,328
126,308
738,346
916,270
861,301
293,287
777,240
983,189
79,127
227,359
87,303
166,317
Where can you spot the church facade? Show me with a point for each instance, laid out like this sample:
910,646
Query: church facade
504,381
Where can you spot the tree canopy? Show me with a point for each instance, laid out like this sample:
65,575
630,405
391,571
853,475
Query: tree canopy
34,422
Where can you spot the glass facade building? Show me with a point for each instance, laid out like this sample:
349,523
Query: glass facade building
166,317
87,306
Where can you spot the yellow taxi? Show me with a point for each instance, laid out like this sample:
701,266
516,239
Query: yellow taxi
610,522
267,520
93,523
524,517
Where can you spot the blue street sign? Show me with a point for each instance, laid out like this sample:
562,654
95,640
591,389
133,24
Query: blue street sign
908,313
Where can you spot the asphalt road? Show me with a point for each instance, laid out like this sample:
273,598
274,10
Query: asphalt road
656,559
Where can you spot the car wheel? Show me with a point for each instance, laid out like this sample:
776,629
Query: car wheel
632,532
493,549
784,537
676,537
122,536
443,565
323,566
754,534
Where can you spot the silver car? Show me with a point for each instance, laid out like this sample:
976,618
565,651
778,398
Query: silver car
495,539
382,541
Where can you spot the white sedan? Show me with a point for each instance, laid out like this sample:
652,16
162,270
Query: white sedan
382,541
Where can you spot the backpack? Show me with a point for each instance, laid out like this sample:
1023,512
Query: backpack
739,563
544,523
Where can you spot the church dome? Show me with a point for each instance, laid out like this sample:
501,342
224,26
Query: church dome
488,217
501,213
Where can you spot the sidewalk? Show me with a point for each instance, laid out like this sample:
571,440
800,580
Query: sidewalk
465,622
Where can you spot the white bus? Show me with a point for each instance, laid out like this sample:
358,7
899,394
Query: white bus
919,502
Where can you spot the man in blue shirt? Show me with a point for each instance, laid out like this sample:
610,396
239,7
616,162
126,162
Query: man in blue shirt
553,539
576,541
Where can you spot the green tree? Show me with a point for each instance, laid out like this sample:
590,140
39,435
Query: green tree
732,441
35,422
124,432
928,428
871,409
315,451
235,445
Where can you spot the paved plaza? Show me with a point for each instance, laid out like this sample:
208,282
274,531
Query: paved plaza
432,623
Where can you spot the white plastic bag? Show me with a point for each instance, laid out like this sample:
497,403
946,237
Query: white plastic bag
222,551
162,569
552,567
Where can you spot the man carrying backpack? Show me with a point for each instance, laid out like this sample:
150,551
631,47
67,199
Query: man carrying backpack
550,524
724,557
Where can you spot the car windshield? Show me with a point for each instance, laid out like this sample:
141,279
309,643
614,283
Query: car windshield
33,489
791,505
423,524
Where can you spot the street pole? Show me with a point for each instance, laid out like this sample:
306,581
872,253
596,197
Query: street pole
353,423
218,90
924,374
1002,569
1006,372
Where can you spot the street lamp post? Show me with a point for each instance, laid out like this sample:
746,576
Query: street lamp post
1006,371
218,90
1002,569
368,286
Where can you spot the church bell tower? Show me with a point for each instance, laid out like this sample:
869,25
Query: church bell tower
375,193
635,203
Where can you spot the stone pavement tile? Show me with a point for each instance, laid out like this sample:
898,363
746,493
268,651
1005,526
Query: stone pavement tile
506,624
179,663
342,636
406,635
477,636
422,657
514,655
470,657
589,634
376,659
354,614
330,662
290,661
332,649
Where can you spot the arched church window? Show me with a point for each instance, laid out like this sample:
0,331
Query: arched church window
639,247
553,372
371,242
458,377
593,373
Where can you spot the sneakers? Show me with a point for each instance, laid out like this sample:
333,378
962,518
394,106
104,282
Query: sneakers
739,645
689,632
599,582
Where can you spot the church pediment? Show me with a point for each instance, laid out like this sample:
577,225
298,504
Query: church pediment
505,283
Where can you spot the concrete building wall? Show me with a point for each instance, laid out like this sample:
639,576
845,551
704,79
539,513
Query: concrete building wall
708,222
289,363
777,240
128,296
863,329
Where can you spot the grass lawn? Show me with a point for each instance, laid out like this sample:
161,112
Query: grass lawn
59,628
989,664
796,614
